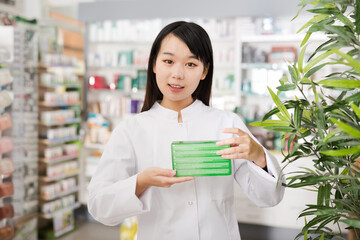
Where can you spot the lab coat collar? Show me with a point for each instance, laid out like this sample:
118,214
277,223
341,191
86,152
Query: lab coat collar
187,113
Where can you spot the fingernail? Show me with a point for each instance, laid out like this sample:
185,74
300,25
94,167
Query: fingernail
218,152
173,172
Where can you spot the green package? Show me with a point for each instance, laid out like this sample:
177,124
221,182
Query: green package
199,159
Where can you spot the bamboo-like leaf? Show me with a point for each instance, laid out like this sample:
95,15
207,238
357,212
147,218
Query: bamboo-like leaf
301,58
320,195
315,92
297,116
341,152
352,62
314,70
286,87
305,81
351,222
297,14
341,83
270,123
346,128
279,128
318,59
325,11
315,19
292,74
344,20
306,38
322,236
356,109
357,16
279,104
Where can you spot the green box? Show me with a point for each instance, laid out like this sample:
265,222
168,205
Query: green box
199,159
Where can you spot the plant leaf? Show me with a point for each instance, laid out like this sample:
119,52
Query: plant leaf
314,70
346,128
315,19
270,123
356,109
342,152
344,20
341,83
318,59
351,222
286,87
279,104
306,38
352,62
301,58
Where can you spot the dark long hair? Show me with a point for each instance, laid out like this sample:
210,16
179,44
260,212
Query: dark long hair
198,41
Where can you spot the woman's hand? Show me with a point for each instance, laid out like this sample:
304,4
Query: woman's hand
158,177
243,147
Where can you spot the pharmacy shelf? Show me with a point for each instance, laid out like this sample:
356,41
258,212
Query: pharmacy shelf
46,104
66,209
57,178
59,159
55,85
67,121
60,195
59,141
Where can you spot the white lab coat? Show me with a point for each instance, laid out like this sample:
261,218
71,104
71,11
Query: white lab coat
201,209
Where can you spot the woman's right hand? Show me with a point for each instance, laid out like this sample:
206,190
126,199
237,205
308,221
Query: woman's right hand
158,177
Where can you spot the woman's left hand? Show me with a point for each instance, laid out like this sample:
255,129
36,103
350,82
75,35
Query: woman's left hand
242,147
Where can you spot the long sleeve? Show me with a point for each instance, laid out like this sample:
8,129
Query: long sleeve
263,188
112,188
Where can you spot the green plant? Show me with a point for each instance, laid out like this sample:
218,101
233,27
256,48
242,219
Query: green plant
325,123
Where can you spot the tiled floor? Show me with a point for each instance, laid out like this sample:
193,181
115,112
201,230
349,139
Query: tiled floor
93,231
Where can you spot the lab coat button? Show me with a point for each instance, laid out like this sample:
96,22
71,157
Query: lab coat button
180,125
190,202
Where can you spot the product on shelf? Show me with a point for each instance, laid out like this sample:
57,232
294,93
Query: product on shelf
5,99
7,233
5,122
6,189
6,144
6,211
6,167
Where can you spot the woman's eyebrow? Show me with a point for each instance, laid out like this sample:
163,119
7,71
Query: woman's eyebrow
171,54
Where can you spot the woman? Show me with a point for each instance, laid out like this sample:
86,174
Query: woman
134,176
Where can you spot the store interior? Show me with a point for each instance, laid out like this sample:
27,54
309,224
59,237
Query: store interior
70,71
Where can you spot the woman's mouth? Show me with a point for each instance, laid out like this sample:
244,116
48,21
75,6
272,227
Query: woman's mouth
175,87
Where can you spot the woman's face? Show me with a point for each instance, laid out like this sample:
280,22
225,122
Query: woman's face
178,73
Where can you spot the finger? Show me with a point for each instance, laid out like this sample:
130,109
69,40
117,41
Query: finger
228,141
234,156
230,150
165,172
234,130
174,180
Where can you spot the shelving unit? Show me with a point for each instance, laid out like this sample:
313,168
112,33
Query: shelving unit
22,64
60,106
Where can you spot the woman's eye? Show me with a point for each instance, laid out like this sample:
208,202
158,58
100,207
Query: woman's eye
168,61
191,64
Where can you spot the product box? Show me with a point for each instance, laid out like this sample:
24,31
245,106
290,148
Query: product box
199,159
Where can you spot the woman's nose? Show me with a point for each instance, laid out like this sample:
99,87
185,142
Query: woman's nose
178,72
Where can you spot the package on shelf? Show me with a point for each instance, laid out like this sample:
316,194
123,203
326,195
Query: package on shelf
58,133
58,116
24,207
62,169
26,230
49,59
280,53
60,151
124,30
99,129
6,144
92,164
53,79
6,167
6,98
62,98
53,190
5,76
5,122
56,205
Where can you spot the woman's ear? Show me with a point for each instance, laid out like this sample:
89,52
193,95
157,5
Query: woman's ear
205,72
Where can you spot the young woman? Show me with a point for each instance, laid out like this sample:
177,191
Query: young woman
135,175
